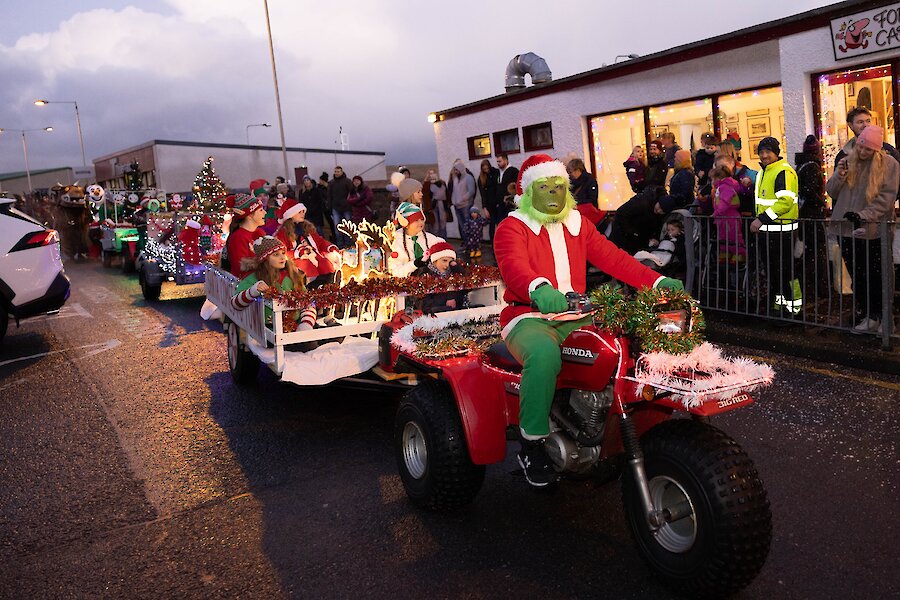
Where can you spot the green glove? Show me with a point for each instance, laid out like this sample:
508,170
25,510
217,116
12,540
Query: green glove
548,299
670,284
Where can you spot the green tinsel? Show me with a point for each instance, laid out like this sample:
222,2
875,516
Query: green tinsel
639,318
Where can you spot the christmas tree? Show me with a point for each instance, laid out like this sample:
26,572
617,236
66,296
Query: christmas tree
209,191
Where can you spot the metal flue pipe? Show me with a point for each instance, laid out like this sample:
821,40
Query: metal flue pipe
530,64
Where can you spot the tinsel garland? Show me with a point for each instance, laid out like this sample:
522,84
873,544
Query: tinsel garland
372,288
447,336
639,317
212,258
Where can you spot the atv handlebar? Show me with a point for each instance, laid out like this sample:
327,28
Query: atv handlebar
578,303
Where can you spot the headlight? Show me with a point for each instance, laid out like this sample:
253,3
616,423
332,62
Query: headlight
674,321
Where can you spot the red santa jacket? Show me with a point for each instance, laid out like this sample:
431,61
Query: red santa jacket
529,254
319,264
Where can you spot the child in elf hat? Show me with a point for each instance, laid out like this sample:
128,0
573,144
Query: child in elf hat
410,242
244,229
259,191
472,230
441,264
316,257
270,267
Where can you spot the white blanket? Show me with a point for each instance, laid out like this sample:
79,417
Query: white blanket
326,363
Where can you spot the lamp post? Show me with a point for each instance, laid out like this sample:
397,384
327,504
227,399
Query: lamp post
77,122
25,151
247,128
277,95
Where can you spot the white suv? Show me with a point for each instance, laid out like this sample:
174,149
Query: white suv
32,281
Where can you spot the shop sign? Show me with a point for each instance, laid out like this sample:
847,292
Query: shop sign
866,32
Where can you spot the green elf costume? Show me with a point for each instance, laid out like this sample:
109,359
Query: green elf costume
542,251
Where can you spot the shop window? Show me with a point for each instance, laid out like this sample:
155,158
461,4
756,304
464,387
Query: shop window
506,142
613,138
745,118
538,137
686,120
479,146
843,90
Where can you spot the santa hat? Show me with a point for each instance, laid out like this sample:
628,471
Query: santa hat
207,221
407,213
290,208
537,167
441,250
266,245
258,186
242,204
192,224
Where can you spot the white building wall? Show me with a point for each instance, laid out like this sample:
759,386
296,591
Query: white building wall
177,166
800,56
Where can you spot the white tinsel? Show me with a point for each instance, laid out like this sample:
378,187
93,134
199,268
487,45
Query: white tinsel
702,375
402,339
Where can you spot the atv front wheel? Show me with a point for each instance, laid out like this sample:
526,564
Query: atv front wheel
720,537
432,454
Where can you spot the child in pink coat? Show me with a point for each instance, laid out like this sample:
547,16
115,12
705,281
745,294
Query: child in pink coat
727,215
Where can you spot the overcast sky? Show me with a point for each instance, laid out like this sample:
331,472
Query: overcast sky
199,70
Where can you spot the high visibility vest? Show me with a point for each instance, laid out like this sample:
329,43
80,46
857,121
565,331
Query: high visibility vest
780,206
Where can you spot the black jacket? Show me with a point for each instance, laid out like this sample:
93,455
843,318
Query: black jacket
636,223
656,172
490,190
338,190
584,189
314,200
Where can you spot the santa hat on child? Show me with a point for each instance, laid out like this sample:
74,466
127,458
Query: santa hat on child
258,187
290,208
242,204
538,166
407,213
441,250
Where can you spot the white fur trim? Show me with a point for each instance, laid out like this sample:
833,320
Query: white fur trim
402,339
561,266
533,285
442,254
553,168
656,283
192,224
572,221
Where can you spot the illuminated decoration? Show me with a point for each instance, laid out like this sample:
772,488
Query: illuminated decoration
703,375
447,336
133,177
368,237
165,255
209,191
373,288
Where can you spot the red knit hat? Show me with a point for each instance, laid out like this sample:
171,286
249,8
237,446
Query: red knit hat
242,204
290,208
258,186
441,250
538,166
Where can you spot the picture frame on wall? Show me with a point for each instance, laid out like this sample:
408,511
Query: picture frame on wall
851,88
781,124
731,119
760,112
754,142
759,127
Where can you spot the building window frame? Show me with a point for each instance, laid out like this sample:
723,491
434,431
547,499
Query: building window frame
474,142
529,130
499,150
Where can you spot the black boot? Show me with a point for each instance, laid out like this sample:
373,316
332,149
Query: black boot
536,464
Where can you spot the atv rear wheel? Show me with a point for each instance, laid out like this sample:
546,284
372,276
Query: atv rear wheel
243,364
721,542
432,454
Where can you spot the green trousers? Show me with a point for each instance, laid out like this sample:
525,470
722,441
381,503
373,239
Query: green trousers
535,343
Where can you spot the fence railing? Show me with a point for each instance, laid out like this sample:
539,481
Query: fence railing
817,273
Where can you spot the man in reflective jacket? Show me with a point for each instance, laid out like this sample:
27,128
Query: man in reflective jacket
777,211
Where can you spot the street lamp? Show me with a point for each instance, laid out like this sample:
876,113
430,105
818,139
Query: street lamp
277,95
254,125
77,122
25,151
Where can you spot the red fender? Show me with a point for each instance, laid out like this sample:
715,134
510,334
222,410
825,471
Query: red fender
482,403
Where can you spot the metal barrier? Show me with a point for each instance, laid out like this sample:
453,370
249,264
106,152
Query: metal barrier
815,273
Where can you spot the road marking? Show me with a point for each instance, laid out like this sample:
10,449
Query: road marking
69,310
828,372
98,348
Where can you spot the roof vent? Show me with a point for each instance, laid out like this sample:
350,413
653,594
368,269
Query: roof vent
522,64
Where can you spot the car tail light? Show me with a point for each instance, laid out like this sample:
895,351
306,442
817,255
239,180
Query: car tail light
36,239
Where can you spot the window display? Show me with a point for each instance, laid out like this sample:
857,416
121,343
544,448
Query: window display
613,137
748,117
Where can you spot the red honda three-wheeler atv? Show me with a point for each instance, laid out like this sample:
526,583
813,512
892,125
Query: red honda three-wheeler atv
694,502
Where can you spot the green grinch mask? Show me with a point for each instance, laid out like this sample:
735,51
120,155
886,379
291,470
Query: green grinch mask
547,200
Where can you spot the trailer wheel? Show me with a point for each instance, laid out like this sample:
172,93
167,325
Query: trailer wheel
151,292
722,539
243,364
431,450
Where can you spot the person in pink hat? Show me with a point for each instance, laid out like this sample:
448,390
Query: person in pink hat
863,189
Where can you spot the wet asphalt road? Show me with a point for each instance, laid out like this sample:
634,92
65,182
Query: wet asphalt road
132,467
